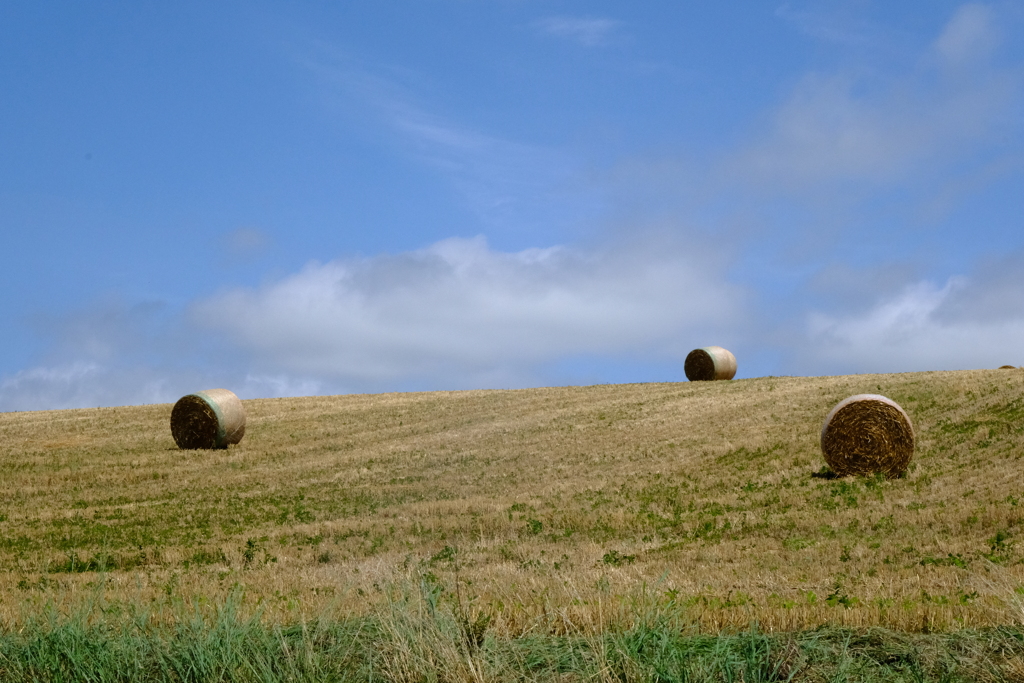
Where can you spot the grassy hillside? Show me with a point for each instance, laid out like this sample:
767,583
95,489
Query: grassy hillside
543,510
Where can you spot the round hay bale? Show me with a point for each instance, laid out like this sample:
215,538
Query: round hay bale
1007,367
208,419
868,433
709,363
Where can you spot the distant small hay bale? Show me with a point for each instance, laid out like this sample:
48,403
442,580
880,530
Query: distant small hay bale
1007,367
709,363
208,419
865,434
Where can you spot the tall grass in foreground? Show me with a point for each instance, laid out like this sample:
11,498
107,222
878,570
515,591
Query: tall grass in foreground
416,639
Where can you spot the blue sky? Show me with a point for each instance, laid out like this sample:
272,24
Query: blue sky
307,197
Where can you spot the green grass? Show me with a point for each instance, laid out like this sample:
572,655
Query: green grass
416,639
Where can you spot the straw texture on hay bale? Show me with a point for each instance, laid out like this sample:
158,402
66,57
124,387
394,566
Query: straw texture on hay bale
208,419
709,363
865,434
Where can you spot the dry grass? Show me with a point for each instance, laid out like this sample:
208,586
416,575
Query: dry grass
549,510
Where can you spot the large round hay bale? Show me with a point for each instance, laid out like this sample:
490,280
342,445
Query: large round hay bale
208,419
865,434
709,363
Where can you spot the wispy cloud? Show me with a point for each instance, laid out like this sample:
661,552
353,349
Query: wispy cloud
588,31
866,128
245,243
501,180
832,25
831,131
970,35
505,183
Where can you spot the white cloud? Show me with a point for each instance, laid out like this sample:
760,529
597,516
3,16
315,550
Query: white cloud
456,314
460,314
589,31
923,327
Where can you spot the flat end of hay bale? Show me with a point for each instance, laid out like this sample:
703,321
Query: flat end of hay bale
207,419
867,434
709,363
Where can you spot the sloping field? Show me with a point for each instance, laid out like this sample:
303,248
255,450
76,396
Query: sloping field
550,510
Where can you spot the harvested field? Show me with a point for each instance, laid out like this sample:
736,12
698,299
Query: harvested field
562,510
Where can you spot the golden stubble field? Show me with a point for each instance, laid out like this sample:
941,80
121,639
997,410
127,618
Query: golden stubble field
549,510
